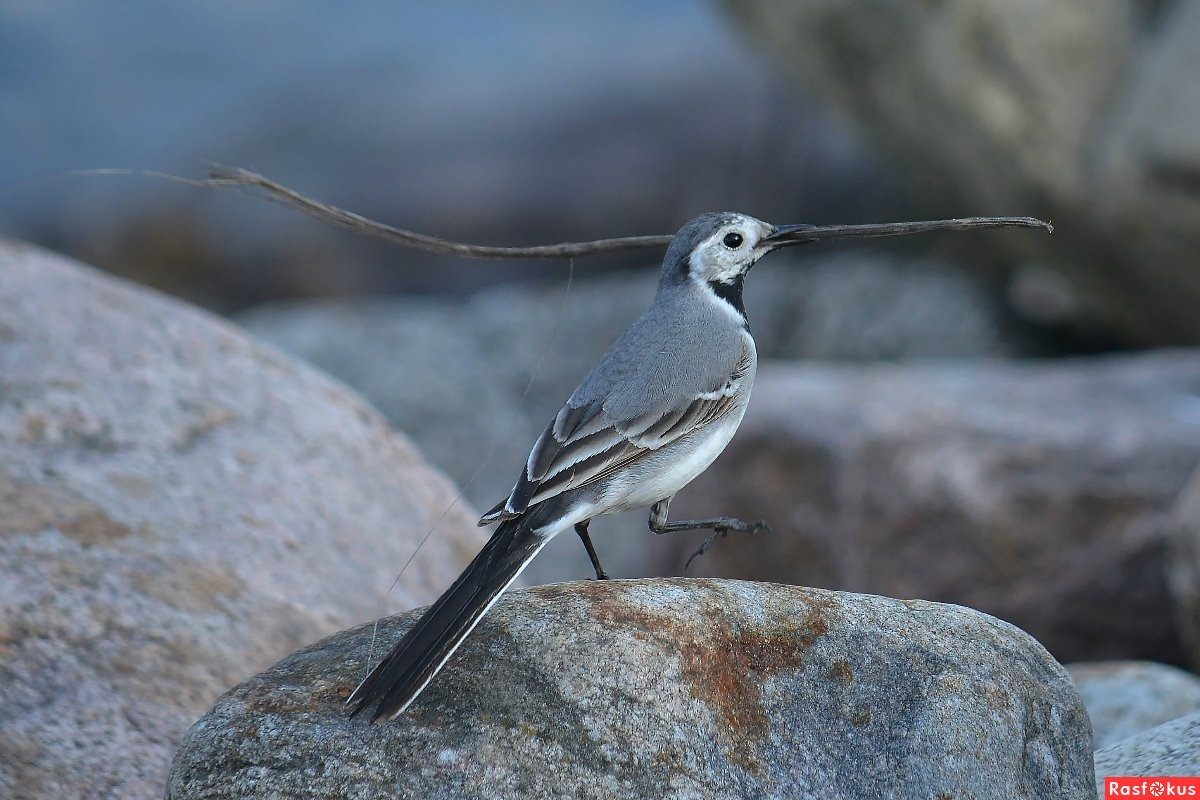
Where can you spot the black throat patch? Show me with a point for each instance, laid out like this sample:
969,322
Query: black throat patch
732,293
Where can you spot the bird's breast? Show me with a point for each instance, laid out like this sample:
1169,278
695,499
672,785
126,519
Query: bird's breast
670,468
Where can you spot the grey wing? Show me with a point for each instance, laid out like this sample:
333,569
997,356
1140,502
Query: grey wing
587,441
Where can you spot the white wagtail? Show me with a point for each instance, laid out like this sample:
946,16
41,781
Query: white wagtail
660,406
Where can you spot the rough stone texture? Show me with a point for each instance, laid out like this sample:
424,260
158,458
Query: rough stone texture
1185,566
1125,697
179,507
1039,492
1172,748
1083,111
473,360
667,688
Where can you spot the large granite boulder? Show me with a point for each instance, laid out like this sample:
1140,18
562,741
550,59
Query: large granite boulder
179,507
1039,492
1082,111
669,688
1127,697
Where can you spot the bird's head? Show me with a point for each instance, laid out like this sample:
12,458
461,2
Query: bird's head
717,249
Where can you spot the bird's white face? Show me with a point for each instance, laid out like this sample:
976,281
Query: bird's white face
730,251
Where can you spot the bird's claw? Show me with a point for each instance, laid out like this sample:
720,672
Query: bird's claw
722,530
758,526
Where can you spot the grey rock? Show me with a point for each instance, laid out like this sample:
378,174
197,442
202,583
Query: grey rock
179,507
667,688
1172,748
1039,492
475,382
863,305
1126,697
1081,111
1184,570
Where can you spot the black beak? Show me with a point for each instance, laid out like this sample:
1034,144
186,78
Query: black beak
784,235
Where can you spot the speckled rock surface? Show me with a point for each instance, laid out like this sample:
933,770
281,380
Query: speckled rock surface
1126,697
667,688
179,507
1172,748
1045,488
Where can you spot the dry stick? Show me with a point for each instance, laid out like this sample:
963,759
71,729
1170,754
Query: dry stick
236,177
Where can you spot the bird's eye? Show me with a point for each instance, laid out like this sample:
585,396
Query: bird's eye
732,240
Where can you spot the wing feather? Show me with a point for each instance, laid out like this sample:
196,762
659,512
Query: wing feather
586,443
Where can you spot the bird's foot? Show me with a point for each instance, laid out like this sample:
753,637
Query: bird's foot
723,527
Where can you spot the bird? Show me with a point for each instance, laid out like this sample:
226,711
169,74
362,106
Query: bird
657,410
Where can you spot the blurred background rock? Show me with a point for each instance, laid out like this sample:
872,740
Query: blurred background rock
1082,111
1039,492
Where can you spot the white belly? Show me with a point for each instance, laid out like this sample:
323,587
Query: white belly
655,478
671,468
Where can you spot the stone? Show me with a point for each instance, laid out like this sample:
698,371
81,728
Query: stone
1184,570
1040,492
180,506
670,688
495,369
1126,697
1081,111
1172,748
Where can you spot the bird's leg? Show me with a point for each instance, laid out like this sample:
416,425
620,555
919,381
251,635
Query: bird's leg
582,529
720,526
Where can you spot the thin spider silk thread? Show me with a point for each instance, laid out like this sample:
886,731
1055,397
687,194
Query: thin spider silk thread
537,367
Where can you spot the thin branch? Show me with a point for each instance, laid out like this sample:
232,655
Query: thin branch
881,229
236,177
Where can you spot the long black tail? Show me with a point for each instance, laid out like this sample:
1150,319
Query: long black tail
413,662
